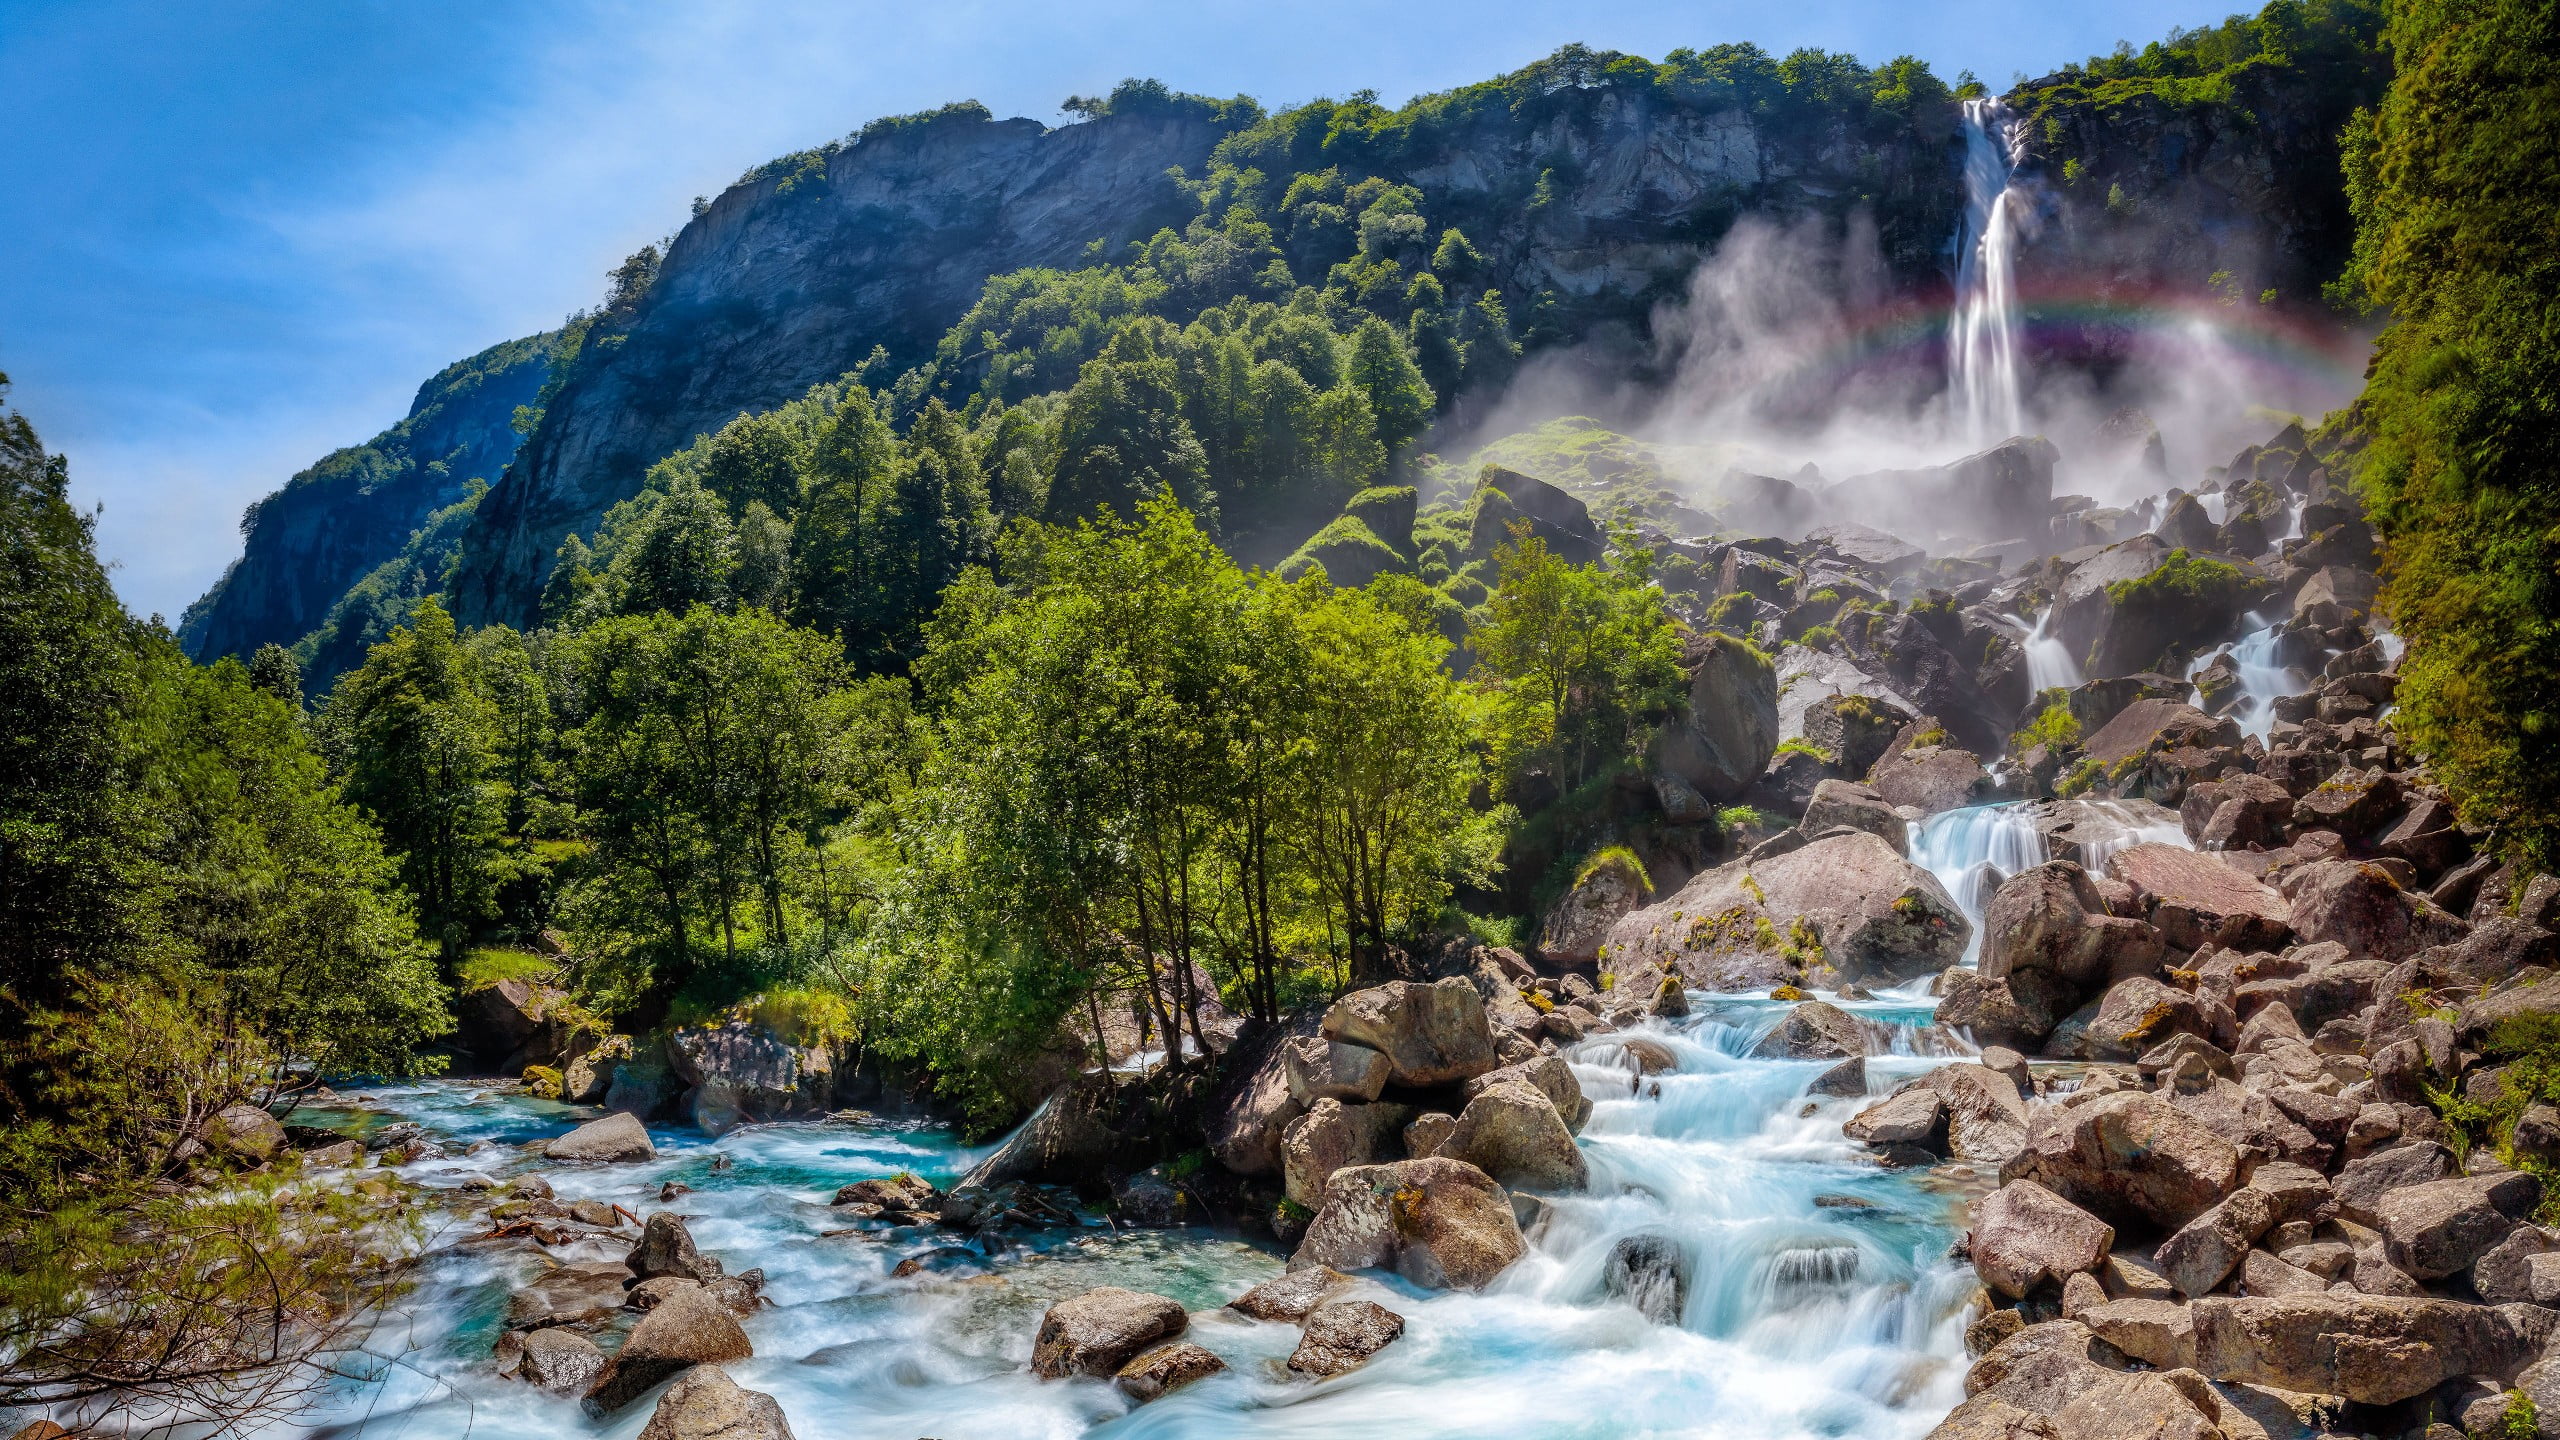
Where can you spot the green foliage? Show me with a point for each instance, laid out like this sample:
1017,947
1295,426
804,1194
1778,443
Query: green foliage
2054,727
2458,235
483,968
1798,745
2180,578
1620,859
1579,659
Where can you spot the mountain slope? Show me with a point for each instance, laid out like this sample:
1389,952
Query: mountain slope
336,522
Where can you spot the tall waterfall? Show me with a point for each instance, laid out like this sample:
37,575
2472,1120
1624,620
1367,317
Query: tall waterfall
1983,351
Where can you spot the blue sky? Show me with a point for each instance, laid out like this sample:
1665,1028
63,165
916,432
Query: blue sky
236,235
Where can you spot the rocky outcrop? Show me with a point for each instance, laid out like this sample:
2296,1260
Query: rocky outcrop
1431,1034
1848,907
743,1072
1724,735
354,510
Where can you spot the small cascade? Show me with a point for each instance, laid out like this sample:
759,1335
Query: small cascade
1983,353
1971,851
2263,677
2049,662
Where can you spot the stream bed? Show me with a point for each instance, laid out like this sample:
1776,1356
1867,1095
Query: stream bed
1820,1301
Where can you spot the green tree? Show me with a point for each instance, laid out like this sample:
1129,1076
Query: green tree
1122,437
1578,657
2458,234
418,745
1383,370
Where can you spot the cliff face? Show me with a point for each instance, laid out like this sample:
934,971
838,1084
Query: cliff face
335,522
793,278
1592,202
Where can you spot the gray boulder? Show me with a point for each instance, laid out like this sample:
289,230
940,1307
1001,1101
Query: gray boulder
1341,1337
1814,1030
666,1248
2127,1156
2026,1238
1512,1133
1331,1135
2208,1248
2374,1349
705,1404
1844,908
1860,807
2433,1230
1101,1330
1723,736
560,1360
1552,1077
1430,1034
687,1328
616,1137
1651,1273
1290,1296
1437,1222
1321,1069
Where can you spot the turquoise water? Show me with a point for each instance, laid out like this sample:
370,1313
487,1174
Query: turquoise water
1840,1318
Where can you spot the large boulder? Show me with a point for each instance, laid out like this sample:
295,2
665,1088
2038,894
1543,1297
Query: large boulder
2206,1249
1814,1030
2369,1348
1341,1337
1101,1330
1854,729
1075,1137
1331,1135
2195,899
560,1360
1722,738
2433,1230
2123,609
243,1134
2361,907
2127,1157
743,1072
2025,1238
1610,885
1927,774
1513,1133
705,1404
1437,1222
1551,1076
1253,1108
688,1327
2048,944
1431,1034
1860,807
1321,1069
616,1137
1505,497
1846,908
494,1023
1291,1295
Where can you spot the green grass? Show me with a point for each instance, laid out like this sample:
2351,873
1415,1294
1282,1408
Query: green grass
1620,857
481,969
1798,745
2180,576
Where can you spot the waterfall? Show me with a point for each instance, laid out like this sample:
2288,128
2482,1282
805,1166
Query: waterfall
1984,349
2049,662
2263,677
1971,851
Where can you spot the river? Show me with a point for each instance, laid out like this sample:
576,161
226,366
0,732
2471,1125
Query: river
1821,1300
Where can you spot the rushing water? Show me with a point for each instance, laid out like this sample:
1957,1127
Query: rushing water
1820,1299
1983,354
2049,662
2263,677
1972,850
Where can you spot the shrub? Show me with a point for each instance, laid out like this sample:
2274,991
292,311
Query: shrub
1618,857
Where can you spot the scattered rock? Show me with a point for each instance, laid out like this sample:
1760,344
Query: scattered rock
1341,1336
2025,1238
1430,1034
1101,1330
560,1360
616,1137
1321,1069
1291,1296
1165,1369
1651,1273
687,1328
705,1404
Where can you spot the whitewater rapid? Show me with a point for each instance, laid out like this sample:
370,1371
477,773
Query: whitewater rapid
1821,1302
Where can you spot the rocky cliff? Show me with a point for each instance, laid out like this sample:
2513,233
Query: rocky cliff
335,522
1593,186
